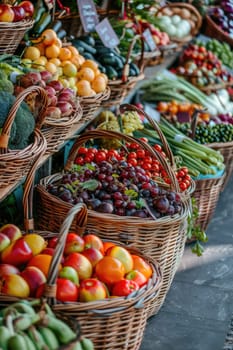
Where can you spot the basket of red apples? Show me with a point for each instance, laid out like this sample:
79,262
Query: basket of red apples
98,283
125,204
15,21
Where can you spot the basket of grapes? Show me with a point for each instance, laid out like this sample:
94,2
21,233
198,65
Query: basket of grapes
124,203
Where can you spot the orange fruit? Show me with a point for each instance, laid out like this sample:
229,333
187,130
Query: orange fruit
123,255
48,37
76,61
141,265
42,262
99,84
55,61
51,67
90,64
41,48
109,270
103,76
73,50
39,63
93,241
58,43
65,54
52,51
36,242
108,245
84,88
86,73
69,69
32,52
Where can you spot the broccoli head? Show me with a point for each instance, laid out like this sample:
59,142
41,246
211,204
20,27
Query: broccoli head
23,124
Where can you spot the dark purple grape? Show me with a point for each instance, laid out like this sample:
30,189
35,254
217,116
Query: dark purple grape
131,205
78,200
93,203
119,211
106,196
145,193
140,213
119,203
84,195
101,176
154,191
130,212
171,210
161,204
105,207
133,187
171,196
88,173
66,196
112,188
74,176
117,195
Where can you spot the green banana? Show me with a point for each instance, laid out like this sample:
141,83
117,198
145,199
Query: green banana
5,334
29,343
49,338
37,339
87,344
22,307
63,332
24,322
16,342
77,346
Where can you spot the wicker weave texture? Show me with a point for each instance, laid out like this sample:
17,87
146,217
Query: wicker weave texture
11,34
207,194
212,30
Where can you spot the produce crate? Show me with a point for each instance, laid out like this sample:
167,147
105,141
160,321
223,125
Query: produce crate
212,30
160,239
15,164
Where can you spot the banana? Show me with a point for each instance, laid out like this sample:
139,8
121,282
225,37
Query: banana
49,338
77,346
24,322
22,307
5,334
63,332
29,343
37,339
16,342
87,344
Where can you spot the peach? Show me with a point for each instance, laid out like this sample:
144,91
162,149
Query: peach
80,263
34,278
14,285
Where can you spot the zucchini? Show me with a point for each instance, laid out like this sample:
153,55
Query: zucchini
134,67
56,26
112,60
88,56
61,34
38,13
89,40
42,24
111,73
86,47
79,48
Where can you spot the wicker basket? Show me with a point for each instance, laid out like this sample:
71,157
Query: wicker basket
56,131
212,30
11,34
226,149
206,194
90,106
159,239
15,164
195,15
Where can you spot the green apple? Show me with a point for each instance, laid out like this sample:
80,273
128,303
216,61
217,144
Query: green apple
69,273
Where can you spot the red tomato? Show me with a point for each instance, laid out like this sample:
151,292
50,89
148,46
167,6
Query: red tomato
183,186
141,153
79,161
100,156
157,147
82,151
66,290
148,159
124,287
132,161
132,155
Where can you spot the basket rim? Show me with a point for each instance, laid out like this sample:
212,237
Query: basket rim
66,121
25,23
217,28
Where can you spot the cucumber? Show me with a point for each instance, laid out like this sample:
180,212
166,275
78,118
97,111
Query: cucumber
88,56
79,48
61,34
42,24
111,73
89,40
112,60
86,47
135,68
119,63
56,26
38,13
101,50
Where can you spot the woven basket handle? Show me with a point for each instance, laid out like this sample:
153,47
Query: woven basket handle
125,74
80,210
5,134
127,107
98,134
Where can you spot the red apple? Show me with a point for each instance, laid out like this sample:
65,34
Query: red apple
48,250
93,255
11,231
74,243
19,13
93,241
137,277
52,242
29,79
7,269
65,107
80,263
17,253
65,96
69,273
57,85
46,75
92,289
28,7
52,100
14,285
6,13
34,278
4,241
124,287
18,89
66,290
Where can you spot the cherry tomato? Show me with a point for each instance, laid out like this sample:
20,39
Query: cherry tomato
148,159
132,155
124,287
157,147
140,153
183,186
82,150
132,161
100,157
162,107
144,139
79,161
146,166
134,146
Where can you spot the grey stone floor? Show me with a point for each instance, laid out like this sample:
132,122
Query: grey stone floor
199,305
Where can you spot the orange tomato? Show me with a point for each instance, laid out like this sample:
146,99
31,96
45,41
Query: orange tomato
184,107
92,241
109,270
141,265
162,107
173,109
